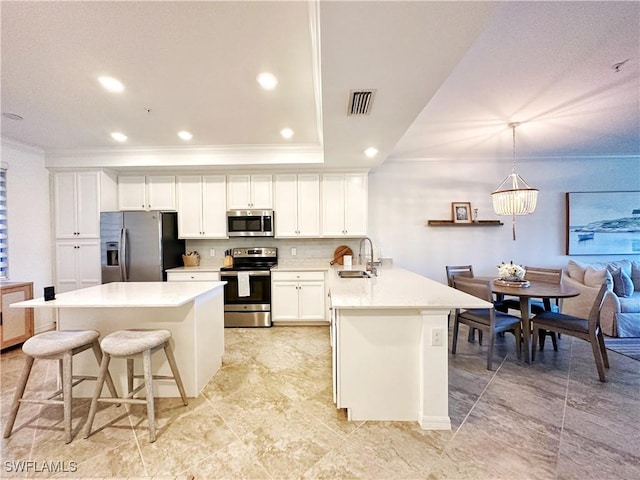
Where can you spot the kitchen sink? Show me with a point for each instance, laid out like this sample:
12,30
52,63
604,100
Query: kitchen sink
353,274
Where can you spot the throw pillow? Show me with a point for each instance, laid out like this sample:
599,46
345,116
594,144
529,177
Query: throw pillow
625,265
622,284
576,270
595,277
635,274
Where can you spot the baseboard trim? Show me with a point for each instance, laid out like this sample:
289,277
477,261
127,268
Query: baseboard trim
434,423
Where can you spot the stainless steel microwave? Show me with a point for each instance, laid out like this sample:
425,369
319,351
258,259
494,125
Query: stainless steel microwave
250,223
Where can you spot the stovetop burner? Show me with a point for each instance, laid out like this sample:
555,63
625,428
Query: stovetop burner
248,267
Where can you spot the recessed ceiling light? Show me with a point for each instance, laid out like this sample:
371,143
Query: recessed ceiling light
267,81
111,84
12,116
119,137
286,133
184,135
371,152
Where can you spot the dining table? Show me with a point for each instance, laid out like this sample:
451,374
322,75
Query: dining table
535,290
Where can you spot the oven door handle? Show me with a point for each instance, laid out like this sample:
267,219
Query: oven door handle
264,273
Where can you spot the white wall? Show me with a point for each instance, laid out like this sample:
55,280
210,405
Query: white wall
29,222
404,195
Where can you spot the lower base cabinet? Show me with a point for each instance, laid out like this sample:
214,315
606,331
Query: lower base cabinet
16,324
298,298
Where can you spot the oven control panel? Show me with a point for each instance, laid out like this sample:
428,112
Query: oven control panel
255,252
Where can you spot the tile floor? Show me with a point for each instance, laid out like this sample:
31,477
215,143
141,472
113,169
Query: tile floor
268,414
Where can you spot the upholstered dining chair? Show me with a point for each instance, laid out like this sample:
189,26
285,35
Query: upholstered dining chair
539,274
585,328
463,271
484,319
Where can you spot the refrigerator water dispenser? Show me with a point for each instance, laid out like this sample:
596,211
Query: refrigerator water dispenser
112,254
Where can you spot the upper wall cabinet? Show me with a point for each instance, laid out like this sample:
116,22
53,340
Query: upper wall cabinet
249,191
297,205
344,205
78,198
154,192
201,206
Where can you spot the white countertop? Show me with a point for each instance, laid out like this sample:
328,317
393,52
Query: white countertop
127,295
396,288
287,265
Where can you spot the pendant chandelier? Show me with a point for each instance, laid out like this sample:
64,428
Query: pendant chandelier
514,196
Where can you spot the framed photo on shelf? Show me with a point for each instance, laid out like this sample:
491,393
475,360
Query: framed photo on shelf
461,212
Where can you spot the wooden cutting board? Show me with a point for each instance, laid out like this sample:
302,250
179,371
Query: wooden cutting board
340,252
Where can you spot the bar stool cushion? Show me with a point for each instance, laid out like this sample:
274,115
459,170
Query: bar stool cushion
57,342
131,342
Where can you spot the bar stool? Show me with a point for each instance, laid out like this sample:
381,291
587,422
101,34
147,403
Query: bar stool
59,345
130,344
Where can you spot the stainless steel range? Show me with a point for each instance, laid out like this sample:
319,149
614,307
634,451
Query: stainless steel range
247,294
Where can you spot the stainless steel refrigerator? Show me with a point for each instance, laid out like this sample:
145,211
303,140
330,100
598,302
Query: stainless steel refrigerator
139,246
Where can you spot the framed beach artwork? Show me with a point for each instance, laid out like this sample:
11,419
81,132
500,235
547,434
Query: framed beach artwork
603,223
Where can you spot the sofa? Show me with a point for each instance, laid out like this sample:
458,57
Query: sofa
620,314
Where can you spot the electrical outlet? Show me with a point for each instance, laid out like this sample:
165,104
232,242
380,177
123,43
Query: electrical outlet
294,251
437,337
212,252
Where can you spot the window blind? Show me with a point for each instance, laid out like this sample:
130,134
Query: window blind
4,255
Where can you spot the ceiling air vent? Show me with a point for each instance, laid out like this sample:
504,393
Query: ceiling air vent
360,102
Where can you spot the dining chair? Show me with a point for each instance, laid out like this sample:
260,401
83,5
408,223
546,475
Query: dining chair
484,319
539,274
463,271
587,329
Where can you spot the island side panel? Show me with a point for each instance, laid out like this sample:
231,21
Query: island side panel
180,321
378,364
208,336
434,371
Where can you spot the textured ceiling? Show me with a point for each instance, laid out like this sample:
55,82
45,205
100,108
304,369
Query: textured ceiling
449,77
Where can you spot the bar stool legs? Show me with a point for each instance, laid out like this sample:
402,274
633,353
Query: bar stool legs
59,345
130,344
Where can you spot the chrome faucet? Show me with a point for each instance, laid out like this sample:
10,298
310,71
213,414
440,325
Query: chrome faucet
370,266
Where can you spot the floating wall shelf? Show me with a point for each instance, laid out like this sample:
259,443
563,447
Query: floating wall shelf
451,223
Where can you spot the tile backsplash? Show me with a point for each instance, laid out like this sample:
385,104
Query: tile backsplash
306,248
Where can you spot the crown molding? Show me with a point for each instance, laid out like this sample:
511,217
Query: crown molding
177,157
8,142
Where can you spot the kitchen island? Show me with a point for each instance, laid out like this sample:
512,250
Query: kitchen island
390,347
192,311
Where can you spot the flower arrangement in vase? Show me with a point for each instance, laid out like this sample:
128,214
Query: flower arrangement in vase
511,272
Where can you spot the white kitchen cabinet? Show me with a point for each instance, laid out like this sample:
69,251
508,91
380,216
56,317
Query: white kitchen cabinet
153,192
77,264
344,205
297,205
78,198
201,202
199,276
298,298
249,191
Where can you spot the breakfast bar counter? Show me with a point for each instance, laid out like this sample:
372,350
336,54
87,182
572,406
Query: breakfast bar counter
390,347
192,311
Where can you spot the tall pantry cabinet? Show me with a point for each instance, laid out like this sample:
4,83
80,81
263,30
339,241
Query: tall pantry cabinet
78,199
